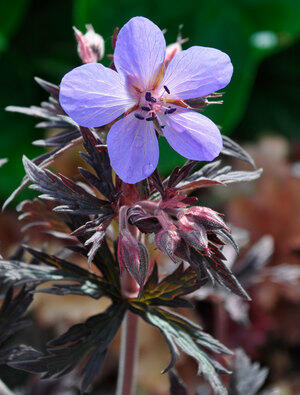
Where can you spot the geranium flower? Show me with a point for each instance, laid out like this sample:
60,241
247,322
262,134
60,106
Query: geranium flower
144,98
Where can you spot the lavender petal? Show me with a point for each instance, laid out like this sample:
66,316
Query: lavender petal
140,52
196,72
94,95
133,149
193,135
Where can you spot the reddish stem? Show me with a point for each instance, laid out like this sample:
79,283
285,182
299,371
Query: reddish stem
129,341
220,322
128,356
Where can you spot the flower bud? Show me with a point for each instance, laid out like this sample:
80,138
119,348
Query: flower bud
174,48
203,216
90,45
167,241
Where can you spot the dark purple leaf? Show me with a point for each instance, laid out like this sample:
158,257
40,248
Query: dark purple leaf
177,386
74,199
169,290
64,353
217,270
12,310
49,87
98,159
250,267
231,148
182,333
43,162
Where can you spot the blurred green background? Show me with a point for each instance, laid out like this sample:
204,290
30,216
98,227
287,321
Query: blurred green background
36,39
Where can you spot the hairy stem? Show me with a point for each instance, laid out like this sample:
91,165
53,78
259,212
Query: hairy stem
128,356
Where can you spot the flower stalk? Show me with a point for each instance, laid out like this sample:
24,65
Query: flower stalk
126,384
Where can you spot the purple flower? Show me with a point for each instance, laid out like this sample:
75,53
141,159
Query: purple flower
150,96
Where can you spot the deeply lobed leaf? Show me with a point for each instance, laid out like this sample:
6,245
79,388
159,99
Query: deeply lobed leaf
179,332
65,352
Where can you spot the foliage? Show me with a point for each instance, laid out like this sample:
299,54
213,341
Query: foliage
183,231
247,378
109,226
12,309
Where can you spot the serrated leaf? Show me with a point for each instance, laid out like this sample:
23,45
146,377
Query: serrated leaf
43,162
255,260
109,282
239,176
107,264
211,174
217,269
182,333
62,190
8,354
233,149
247,378
97,158
12,310
168,291
65,352
39,215
86,283
49,87
179,174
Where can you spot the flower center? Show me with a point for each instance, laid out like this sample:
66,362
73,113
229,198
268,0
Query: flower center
151,104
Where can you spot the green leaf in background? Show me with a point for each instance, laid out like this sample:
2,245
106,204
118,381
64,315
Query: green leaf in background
10,18
248,30
37,47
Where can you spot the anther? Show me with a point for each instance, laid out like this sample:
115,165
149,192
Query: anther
170,111
150,119
138,116
148,96
166,89
146,108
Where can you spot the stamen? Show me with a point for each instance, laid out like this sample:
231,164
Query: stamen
138,116
166,89
150,119
162,126
146,108
170,111
149,97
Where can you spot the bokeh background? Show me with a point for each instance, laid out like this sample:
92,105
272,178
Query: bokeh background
260,111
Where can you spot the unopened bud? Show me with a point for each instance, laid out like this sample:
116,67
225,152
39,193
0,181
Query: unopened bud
90,45
167,241
174,48
203,216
